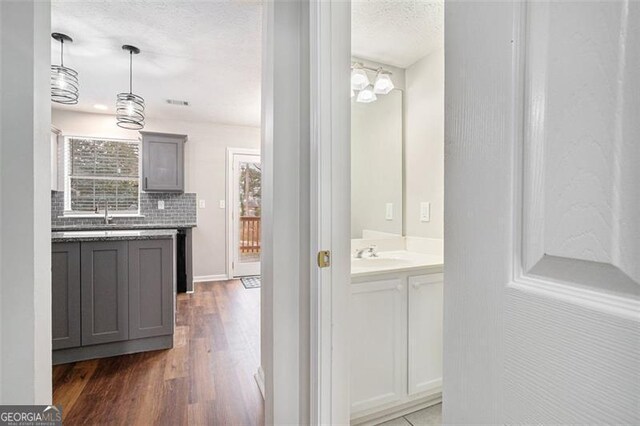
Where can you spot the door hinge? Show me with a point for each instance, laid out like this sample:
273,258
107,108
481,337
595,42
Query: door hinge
324,259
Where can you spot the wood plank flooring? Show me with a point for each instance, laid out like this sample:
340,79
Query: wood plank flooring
205,379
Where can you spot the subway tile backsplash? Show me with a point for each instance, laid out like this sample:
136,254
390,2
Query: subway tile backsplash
179,210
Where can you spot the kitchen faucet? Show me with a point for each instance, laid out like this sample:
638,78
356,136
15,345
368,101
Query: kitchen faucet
107,218
363,253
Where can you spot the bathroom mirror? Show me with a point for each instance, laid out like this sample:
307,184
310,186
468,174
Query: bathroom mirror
376,166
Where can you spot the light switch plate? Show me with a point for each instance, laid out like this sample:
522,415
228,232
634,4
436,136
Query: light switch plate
425,212
222,204
160,204
202,204
389,211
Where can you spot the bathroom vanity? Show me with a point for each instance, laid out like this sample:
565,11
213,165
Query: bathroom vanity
396,328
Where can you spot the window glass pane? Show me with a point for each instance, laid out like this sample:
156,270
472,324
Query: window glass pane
87,194
102,171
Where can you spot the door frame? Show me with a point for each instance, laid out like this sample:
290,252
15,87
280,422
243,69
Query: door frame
229,202
330,107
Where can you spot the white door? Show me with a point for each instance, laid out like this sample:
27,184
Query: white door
542,229
246,202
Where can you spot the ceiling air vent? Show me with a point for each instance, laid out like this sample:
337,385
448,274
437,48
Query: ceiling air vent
177,102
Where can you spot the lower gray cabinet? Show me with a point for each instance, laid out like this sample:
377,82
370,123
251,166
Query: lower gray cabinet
151,279
65,295
105,299
105,294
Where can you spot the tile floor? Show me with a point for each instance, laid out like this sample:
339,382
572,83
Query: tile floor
426,417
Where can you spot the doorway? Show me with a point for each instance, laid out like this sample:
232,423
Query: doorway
244,177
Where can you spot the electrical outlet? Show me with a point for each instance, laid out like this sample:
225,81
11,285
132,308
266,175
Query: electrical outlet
222,204
160,204
202,204
425,212
389,211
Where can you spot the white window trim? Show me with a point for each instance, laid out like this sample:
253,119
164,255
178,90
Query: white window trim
67,178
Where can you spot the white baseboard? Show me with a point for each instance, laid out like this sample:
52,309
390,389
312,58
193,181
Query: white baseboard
205,278
259,376
373,417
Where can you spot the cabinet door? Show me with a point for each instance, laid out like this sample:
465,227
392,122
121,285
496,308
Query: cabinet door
105,310
163,162
151,288
378,343
65,295
425,333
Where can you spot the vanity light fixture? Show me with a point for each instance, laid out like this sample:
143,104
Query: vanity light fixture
64,80
383,84
129,106
366,95
361,84
359,77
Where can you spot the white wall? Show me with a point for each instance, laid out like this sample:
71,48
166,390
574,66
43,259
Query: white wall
424,145
25,239
205,171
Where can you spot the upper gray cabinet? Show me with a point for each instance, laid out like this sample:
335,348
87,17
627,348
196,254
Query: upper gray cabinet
162,162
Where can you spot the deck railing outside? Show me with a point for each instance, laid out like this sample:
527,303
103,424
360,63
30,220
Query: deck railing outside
249,234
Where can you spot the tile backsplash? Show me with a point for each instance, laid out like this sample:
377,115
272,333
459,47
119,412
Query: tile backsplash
179,209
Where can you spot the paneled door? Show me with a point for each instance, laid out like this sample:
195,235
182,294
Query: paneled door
104,288
246,204
542,230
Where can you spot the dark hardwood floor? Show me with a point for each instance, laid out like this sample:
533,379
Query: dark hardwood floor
206,379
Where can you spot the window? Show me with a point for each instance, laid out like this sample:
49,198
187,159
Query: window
99,172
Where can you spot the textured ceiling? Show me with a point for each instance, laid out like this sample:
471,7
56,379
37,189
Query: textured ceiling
397,32
204,52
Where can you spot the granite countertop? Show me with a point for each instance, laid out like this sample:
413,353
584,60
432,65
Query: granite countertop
112,235
111,226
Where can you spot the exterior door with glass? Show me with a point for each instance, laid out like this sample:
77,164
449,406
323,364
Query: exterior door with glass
246,206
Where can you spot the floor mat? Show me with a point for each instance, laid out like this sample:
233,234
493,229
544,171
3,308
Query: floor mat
251,282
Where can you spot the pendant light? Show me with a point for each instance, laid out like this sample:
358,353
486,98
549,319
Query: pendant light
129,106
64,81
359,77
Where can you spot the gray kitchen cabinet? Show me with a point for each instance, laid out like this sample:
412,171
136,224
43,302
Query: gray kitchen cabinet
104,289
65,295
163,162
151,288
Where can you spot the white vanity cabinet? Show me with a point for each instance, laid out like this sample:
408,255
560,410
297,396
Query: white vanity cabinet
378,343
425,333
396,343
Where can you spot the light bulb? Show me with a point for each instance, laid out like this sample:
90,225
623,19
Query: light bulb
130,109
61,81
383,84
366,95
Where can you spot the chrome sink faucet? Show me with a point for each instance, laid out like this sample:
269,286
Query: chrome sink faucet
363,253
107,218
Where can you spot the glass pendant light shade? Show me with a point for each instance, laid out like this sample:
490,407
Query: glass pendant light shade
359,78
64,80
366,95
129,106
383,84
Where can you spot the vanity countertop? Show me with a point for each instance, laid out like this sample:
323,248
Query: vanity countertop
112,235
396,261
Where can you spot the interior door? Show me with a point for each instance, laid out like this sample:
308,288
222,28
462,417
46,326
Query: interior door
247,203
542,229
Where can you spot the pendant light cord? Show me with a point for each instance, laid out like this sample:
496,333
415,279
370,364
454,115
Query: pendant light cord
130,72
62,52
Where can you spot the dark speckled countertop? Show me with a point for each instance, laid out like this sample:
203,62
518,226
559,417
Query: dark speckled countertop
112,235
112,226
